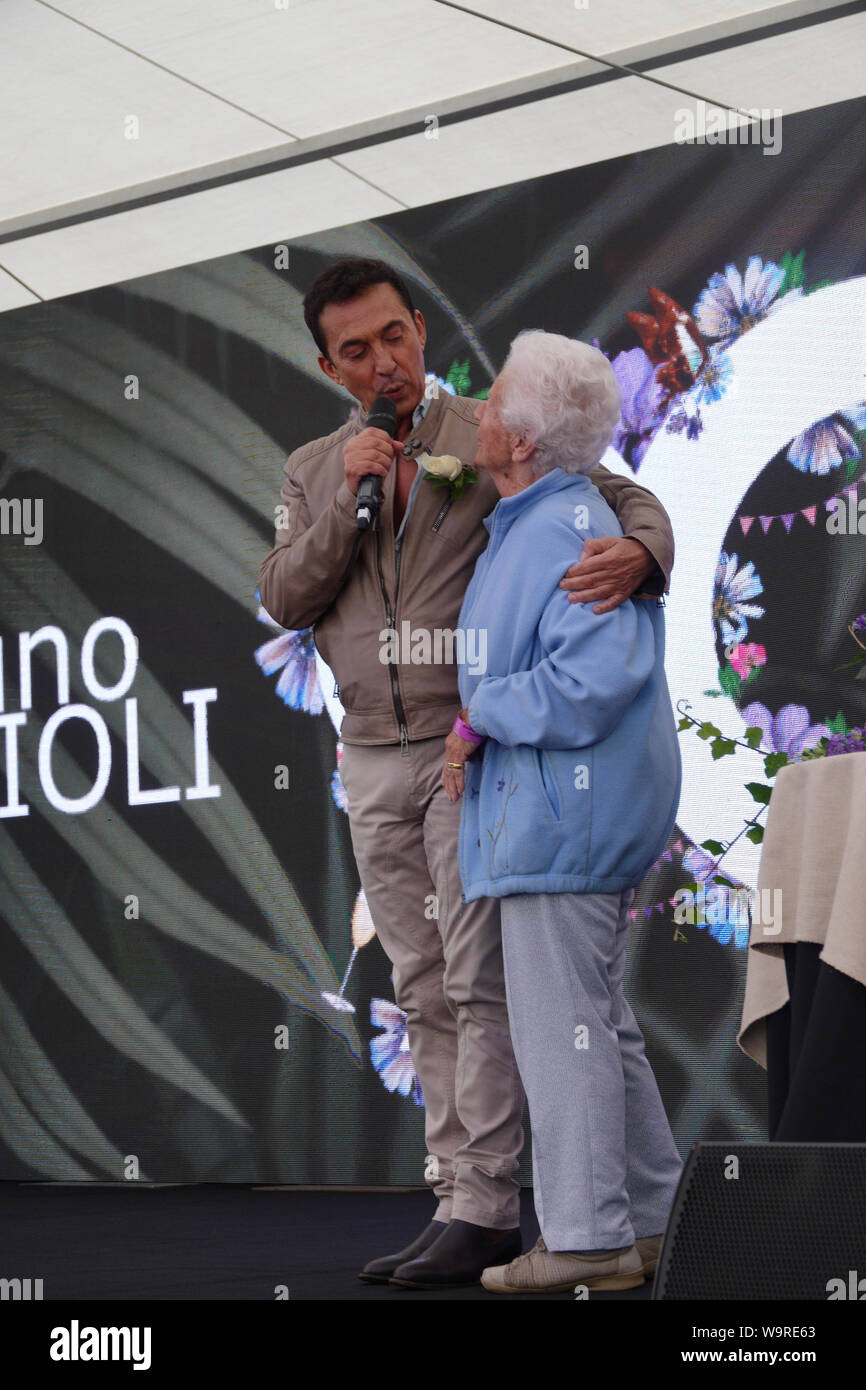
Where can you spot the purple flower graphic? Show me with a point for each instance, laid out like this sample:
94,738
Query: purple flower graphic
698,862
686,416
732,589
733,303
643,405
828,444
789,731
390,1051
294,654
852,742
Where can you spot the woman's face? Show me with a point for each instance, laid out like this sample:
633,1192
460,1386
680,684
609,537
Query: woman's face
494,443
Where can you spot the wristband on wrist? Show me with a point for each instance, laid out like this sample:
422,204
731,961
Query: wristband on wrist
466,731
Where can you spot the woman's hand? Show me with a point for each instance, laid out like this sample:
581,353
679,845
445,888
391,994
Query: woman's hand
457,750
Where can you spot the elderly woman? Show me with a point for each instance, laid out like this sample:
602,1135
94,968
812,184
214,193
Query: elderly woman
566,757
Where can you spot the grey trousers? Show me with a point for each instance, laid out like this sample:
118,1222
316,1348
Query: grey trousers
448,976
605,1166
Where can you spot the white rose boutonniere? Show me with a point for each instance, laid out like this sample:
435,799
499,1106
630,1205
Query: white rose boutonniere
444,470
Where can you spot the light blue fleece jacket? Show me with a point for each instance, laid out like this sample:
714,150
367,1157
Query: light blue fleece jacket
577,787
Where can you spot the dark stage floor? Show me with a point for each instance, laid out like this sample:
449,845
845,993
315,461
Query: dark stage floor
220,1241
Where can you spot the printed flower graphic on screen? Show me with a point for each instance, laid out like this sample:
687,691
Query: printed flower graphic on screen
685,415
338,791
725,911
715,378
665,381
293,654
733,303
733,588
747,658
363,931
828,444
852,742
789,731
643,404
390,1051
698,862
727,916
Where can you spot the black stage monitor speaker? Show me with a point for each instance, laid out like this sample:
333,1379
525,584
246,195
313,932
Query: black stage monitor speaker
754,1221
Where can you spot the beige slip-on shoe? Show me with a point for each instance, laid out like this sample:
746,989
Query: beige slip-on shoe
559,1271
649,1248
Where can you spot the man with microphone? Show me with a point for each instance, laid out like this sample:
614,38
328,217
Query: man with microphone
358,572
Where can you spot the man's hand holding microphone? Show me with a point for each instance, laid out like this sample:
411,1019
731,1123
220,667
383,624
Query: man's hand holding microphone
367,458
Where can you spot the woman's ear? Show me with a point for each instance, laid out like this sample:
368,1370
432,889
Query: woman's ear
522,448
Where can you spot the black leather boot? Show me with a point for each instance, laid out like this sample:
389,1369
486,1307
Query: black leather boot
379,1271
459,1256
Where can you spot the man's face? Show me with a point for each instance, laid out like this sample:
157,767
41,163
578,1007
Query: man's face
494,442
376,348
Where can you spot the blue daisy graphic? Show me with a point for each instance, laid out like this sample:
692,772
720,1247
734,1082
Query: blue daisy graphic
733,303
715,378
829,443
733,588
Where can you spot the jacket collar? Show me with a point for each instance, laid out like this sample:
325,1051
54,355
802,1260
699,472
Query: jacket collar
508,508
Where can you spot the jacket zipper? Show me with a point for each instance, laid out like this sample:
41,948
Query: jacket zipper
389,621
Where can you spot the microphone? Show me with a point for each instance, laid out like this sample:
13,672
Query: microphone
382,416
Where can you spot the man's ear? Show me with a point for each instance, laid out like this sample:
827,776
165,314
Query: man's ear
421,327
327,366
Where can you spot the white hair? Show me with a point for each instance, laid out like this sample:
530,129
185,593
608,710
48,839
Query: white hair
561,395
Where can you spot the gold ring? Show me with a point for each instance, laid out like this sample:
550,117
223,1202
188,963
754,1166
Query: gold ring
458,765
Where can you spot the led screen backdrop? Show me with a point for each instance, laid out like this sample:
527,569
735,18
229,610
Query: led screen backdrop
187,969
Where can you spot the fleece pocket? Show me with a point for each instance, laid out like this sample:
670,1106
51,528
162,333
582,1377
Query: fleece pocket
547,783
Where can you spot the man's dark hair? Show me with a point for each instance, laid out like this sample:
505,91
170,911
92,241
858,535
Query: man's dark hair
343,281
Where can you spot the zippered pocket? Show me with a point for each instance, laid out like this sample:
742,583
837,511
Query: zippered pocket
441,514
547,782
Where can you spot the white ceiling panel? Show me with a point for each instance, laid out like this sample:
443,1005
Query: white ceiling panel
224,86
541,137
65,96
274,207
794,72
626,29
807,67
316,65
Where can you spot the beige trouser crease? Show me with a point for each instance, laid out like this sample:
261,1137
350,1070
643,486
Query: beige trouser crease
448,975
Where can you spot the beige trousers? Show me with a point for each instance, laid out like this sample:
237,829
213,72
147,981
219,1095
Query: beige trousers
448,975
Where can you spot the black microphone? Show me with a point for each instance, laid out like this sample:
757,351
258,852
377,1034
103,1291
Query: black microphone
382,416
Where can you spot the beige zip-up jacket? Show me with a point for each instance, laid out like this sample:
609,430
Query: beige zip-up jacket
352,586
